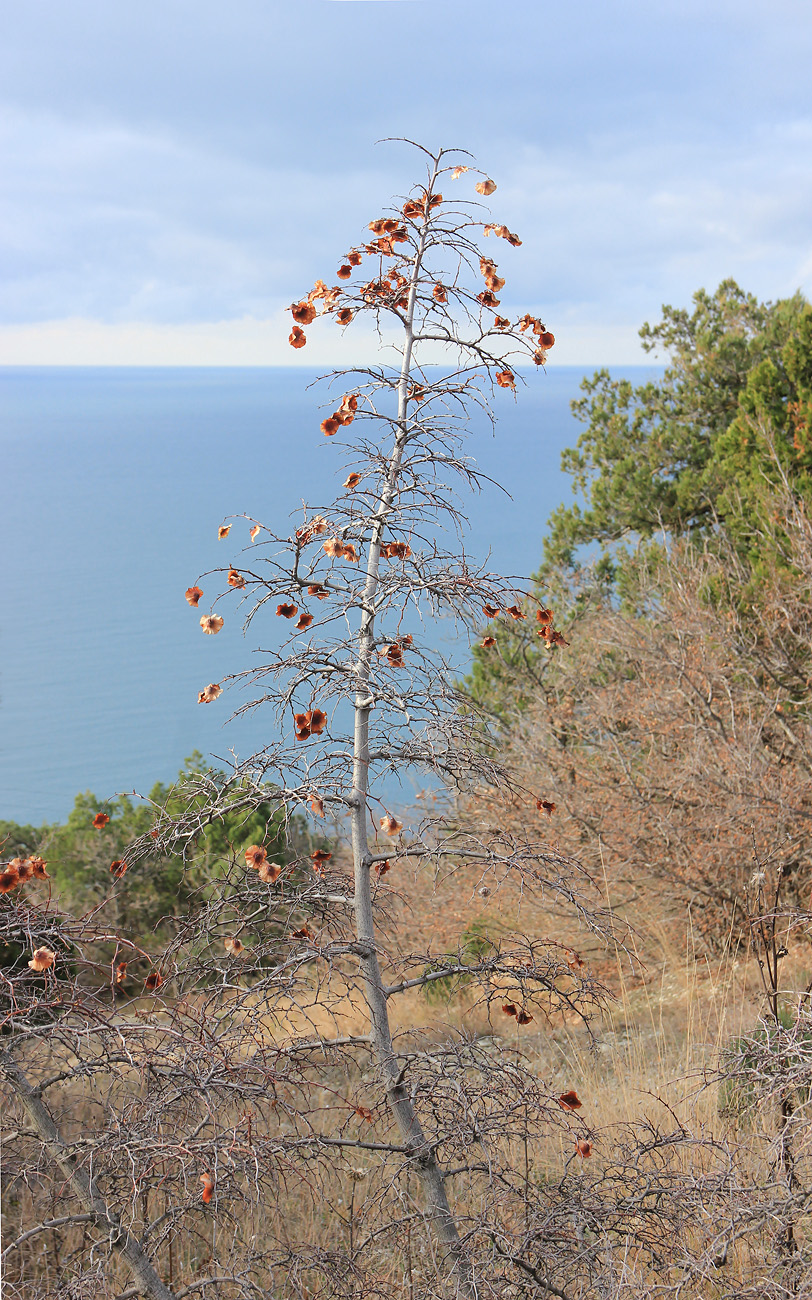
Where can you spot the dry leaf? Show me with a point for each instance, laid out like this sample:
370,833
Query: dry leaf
193,595
317,805
304,621
100,821
211,624
287,611
297,337
255,855
210,693
506,379
391,826
235,580
118,868
208,1188
485,187
352,481
255,531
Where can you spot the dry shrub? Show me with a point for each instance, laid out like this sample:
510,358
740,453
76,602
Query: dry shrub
673,734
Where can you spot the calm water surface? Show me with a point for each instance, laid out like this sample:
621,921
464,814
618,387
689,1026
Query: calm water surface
114,484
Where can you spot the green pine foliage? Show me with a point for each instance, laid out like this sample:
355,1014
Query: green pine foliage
146,899
697,453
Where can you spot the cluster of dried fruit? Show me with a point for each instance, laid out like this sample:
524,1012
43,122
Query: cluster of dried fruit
256,857
18,870
547,631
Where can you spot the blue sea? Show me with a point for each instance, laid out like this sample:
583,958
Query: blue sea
114,484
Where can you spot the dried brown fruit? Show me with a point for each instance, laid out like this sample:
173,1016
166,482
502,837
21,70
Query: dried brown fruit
319,859
391,826
570,1100
42,959
269,872
304,313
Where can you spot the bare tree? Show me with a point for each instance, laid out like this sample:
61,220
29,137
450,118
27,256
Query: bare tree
189,1115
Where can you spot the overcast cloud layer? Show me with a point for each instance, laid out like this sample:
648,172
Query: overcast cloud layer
176,172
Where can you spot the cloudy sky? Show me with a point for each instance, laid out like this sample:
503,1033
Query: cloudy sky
176,171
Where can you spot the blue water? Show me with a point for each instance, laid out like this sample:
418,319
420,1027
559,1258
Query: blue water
114,484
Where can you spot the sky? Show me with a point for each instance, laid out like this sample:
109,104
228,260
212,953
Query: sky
176,172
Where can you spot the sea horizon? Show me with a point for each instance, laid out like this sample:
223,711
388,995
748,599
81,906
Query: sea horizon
116,479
